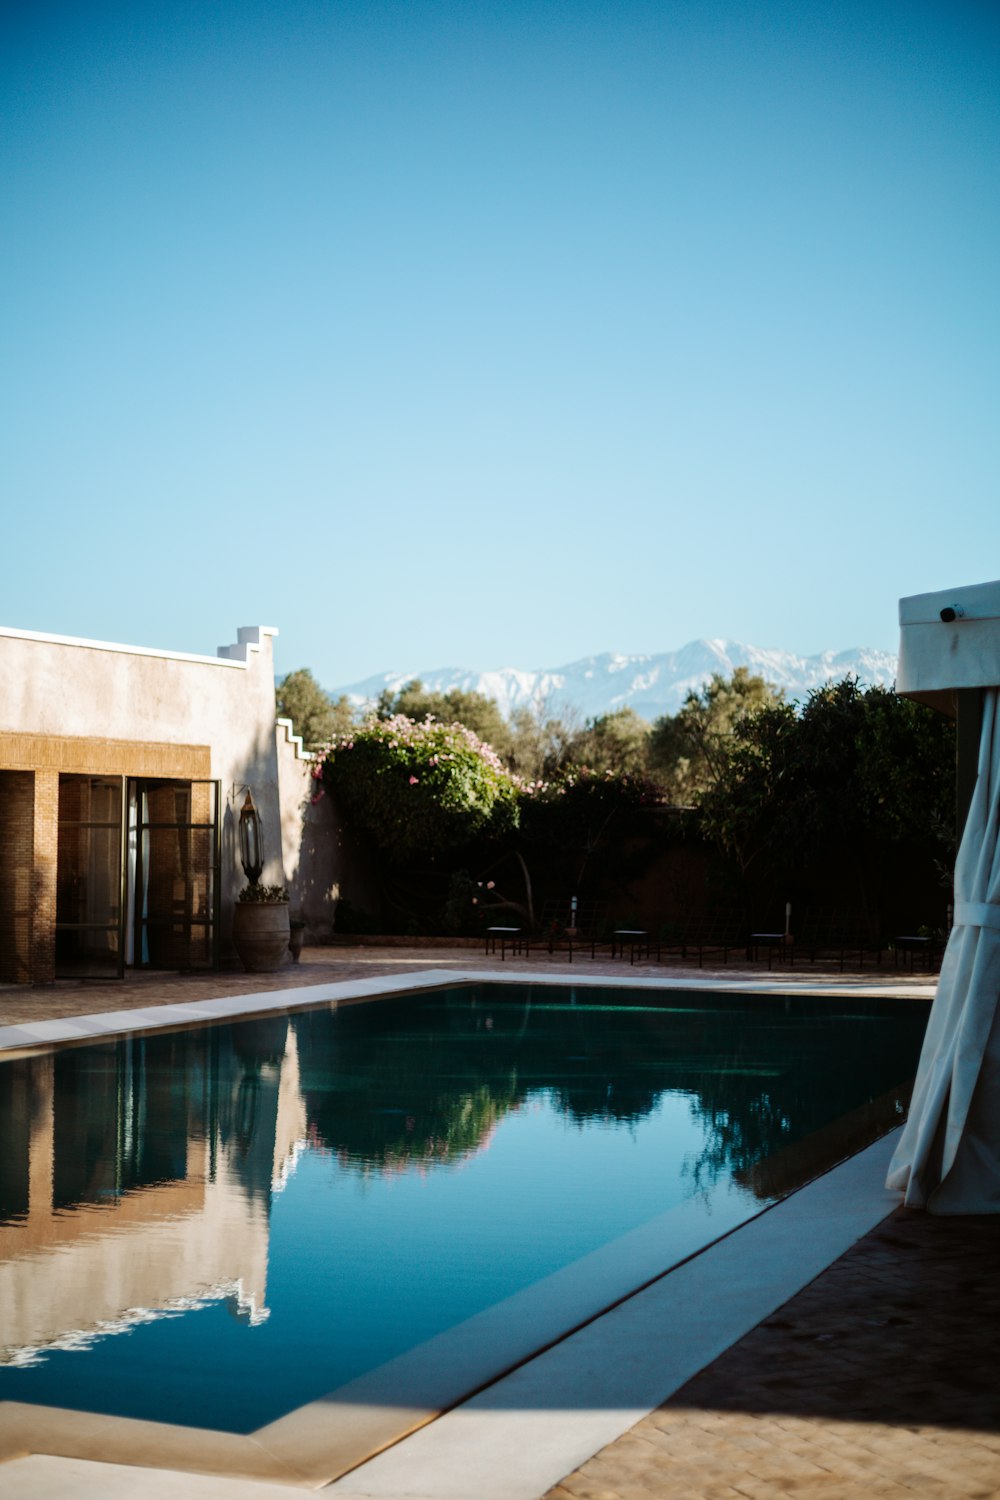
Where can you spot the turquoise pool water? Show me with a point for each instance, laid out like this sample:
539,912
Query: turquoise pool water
212,1227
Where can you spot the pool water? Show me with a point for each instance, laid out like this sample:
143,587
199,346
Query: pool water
213,1227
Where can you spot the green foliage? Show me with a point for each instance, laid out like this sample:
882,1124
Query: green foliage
419,790
576,812
263,895
349,919
856,772
533,744
461,910
742,809
316,716
617,742
833,805
474,710
689,751
470,906
540,743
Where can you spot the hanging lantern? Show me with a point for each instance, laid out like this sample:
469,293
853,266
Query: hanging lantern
251,841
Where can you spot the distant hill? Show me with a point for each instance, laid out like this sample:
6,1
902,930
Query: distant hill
652,685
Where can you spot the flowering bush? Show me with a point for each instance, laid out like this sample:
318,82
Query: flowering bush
419,789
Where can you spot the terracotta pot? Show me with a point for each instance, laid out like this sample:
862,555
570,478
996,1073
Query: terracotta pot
260,934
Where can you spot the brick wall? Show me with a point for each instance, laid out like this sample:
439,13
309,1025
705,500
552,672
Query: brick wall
46,851
29,834
103,757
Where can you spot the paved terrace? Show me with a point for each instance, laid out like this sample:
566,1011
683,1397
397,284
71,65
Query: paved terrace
878,1378
328,965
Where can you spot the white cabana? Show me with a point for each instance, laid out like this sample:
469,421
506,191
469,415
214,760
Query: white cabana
948,1159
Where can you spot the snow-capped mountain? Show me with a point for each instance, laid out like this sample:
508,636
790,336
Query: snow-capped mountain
652,685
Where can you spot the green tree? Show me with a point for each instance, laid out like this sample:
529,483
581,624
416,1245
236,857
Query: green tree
857,775
535,743
690,750
477,712
316,716
540,742
581,814
617,742
743,810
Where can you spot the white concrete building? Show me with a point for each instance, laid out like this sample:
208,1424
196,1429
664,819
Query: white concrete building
122,771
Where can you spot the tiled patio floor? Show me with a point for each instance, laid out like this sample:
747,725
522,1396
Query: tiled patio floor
327,965
880,1378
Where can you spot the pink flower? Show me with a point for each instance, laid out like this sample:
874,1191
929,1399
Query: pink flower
490,884
414,780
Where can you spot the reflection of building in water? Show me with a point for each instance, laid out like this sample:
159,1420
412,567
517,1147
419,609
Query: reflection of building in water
136,1179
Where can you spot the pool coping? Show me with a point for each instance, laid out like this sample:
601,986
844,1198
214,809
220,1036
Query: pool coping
306,1448
17,1038
522,1435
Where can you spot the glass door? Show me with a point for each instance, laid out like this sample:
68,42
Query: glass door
175,853
90,912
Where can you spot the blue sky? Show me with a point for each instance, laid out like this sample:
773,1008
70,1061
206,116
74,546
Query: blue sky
496,334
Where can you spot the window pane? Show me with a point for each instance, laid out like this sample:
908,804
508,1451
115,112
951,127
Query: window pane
88,882
88,876
178,853
90,799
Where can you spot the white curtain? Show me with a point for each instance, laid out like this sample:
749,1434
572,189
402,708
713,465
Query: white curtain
948,1159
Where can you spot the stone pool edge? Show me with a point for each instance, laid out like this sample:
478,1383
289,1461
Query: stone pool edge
103,1024
525,1433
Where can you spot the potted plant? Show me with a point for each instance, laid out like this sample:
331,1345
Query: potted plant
261,927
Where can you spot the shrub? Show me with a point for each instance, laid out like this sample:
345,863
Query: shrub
419,790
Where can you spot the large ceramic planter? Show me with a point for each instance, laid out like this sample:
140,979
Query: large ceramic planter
260,934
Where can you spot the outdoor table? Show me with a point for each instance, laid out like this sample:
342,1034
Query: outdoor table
635,939
774,942
503,936
912,944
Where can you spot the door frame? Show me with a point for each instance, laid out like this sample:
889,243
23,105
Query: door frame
135,916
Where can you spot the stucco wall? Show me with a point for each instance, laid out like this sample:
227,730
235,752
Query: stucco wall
322,860
103,691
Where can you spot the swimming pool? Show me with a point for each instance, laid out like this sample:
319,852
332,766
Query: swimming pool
214,1228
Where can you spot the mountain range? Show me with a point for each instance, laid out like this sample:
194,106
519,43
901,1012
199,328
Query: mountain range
652,685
